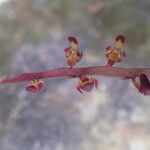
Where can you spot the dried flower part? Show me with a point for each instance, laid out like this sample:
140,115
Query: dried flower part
72,53
115,54
35,86
144,85
86,84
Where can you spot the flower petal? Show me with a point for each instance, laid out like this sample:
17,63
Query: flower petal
80,55
121,38
79,89
123,55
108,48
32,88
110,62
72,39
88,86
67,49
71,63
40,85
96,83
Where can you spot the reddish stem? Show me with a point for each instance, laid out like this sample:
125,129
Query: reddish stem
76,72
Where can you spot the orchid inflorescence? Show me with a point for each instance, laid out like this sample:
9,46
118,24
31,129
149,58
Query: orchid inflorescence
114,54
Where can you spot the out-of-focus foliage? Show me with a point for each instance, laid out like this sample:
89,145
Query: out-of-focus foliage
33,34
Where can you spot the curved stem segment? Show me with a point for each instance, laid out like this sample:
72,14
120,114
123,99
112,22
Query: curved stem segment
107,71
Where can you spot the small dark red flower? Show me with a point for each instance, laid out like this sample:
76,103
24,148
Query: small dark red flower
72,53
144,85
115,54
86,84
35,86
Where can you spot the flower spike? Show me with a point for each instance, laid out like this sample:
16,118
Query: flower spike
86,84
115,54
72,53
35,86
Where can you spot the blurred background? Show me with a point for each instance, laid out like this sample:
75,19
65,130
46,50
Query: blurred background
33,34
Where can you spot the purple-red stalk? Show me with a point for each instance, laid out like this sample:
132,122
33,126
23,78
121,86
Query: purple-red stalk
118,72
